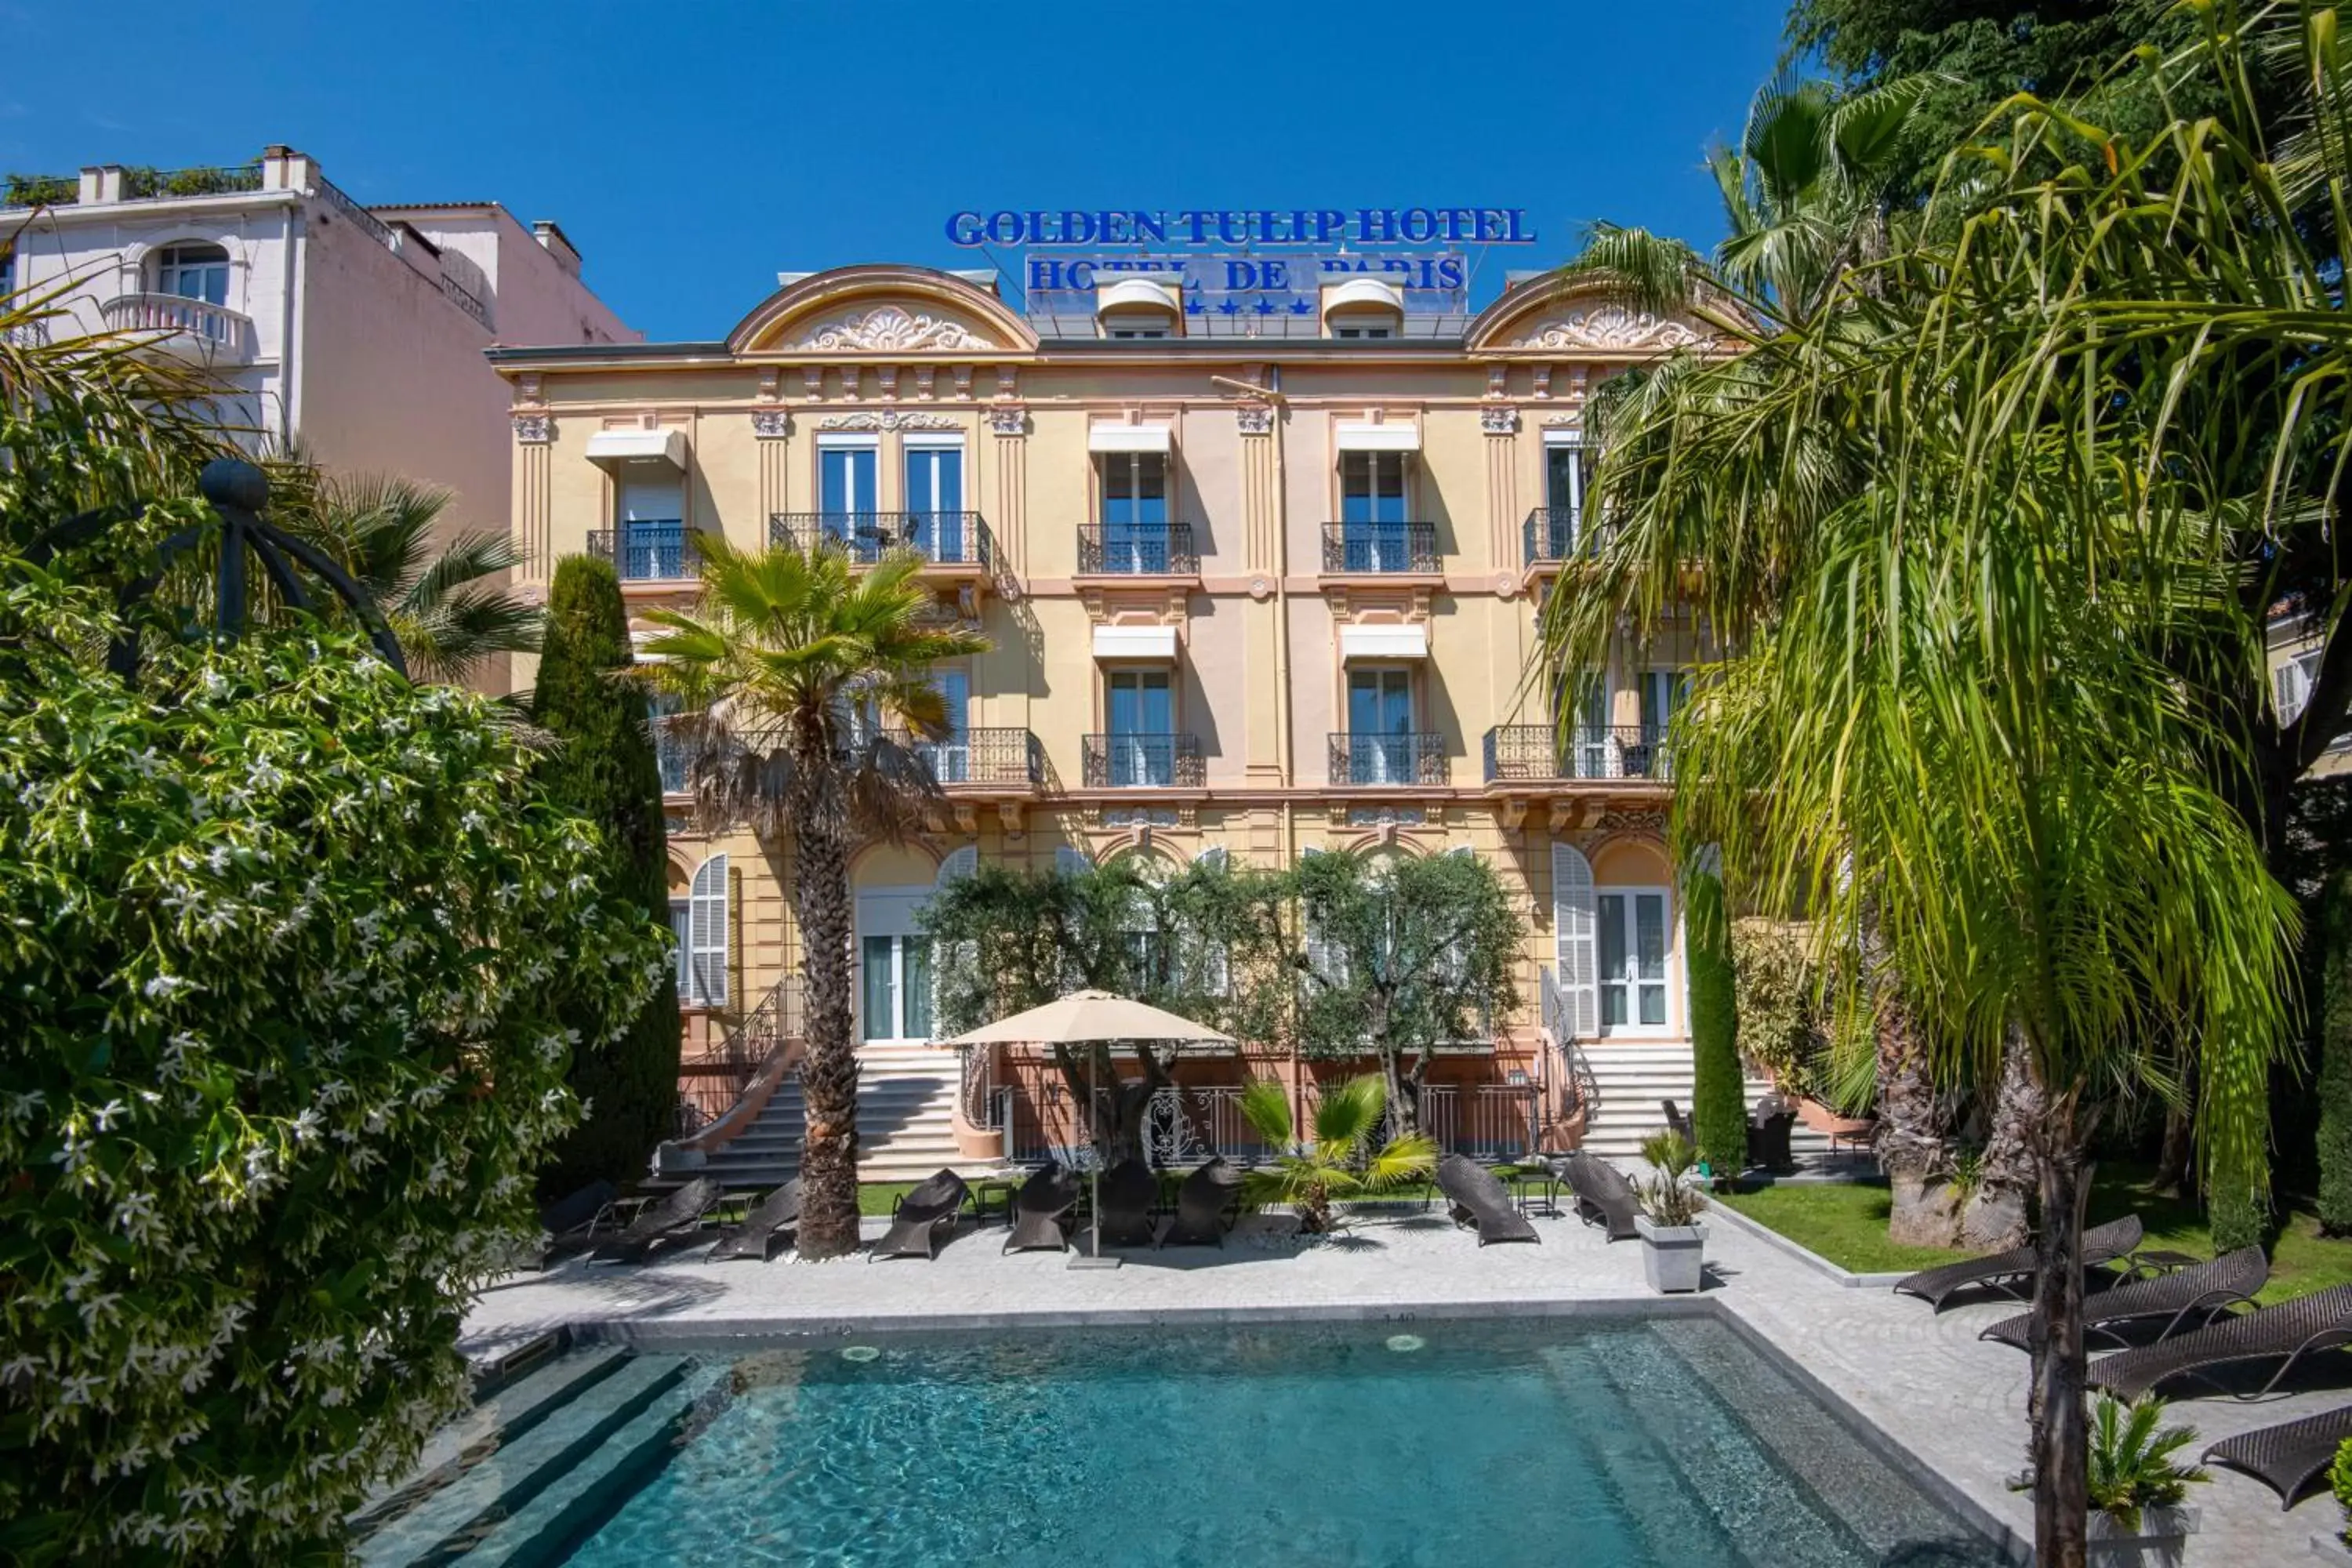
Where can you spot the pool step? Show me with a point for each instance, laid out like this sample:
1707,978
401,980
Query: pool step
1654,1494
565,1509
498,1417
450,1520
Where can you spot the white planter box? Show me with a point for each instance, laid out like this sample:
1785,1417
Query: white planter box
1672,1255
2159,1543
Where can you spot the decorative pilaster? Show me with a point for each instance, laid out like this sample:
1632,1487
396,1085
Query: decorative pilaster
1501,423
1265,754
534,510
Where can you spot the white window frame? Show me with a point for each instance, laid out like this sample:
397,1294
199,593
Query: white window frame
170,267
707,944
1670,911
855,506
1576,950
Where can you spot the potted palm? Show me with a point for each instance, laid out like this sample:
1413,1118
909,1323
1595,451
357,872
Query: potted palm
1339,1160
1673,1244
2137,1488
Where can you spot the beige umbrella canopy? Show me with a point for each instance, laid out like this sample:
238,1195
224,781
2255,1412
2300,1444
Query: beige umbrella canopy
1088,1018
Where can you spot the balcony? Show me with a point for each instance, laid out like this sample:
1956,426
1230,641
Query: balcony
1138,550
1417,759
194,329
982,761
1542,753
671,755
1142,760
648,551
1380,549
940,538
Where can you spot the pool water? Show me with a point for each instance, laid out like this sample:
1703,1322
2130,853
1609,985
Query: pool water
1633,1443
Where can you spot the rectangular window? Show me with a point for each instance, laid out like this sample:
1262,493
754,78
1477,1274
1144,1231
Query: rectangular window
681,928
879,1011
1135,511
650,529
895,988
1633,950
1142,721
950,754
1586,697
847,497
1563,498
934,498
1372,533
669,752
1380,726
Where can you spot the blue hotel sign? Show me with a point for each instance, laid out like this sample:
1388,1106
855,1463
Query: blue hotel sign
1221,255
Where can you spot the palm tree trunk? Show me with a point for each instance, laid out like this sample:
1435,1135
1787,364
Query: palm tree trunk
1910,1139
2060,1461
829,1069
1995,1216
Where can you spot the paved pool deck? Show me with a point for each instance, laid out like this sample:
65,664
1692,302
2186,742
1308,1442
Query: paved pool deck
1954,1405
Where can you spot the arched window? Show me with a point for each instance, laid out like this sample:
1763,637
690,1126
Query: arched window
1575,946
702,983
959,864
1070,862
194,270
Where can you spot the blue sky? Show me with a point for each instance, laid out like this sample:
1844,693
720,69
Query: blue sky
692,149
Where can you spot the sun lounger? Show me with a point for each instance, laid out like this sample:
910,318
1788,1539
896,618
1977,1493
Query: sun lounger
764,1227
1603,1195
1124,1200
2281,1334
2191,1299
662,1225
1475,1197
1677,1122
2012,1272
1041,1210
1207,1207
571,1223
916,1220
2287,1458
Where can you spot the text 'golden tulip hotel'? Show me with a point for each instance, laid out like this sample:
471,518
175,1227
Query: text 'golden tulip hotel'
1257,517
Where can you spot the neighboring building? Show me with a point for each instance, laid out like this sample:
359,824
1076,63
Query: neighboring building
2294,646
1257,594
359,328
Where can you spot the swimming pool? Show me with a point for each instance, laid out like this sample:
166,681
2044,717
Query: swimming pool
1609,1444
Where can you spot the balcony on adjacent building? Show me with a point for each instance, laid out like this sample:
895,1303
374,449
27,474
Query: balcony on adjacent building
1137,550
1142,759
1543,753
1380,549
648,551
1413,759
194,329
939,538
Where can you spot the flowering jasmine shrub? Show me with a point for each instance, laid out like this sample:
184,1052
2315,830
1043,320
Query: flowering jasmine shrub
276,1067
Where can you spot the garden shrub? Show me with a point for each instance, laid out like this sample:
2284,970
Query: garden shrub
2339,1478
2336,1058
277,1061
605,770
1719,1084
1784,1024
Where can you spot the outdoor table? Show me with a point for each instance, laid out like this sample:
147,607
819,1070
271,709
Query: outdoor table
999,1188
2152,1264
1524,1180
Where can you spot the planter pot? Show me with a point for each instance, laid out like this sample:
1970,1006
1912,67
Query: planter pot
2159,1542
1672,1255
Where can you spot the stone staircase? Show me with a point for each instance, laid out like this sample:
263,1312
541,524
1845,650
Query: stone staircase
1631,1076
906,1105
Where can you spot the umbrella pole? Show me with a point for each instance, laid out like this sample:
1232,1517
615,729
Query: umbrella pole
1092,1256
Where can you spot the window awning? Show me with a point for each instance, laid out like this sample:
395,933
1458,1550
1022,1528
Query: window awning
622,446
1127,438
1135,642
1383,642
1363,435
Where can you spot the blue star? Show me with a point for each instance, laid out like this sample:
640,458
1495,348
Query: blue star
1192,305
1302,308
1229,305
1265,306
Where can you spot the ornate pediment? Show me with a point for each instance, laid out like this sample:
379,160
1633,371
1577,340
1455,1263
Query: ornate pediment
1610,329
889,419
890,329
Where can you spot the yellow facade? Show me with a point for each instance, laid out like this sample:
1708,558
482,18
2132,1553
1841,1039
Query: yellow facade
1261,634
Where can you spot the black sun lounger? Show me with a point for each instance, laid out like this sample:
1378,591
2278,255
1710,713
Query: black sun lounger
1677,1122
662,1225
764,1227
572,1222
1475,1197
1124,1196
2318,1321
1207,1207
1041,1210
1603,1195
2287,1458
928,1207
2012,1272
2189,1298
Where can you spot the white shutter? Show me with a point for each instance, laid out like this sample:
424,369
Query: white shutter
2293,682
1213,857
962,863
707,934
1575,938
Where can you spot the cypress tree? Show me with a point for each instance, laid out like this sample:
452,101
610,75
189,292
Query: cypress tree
2335,1057
1719,1087
605,769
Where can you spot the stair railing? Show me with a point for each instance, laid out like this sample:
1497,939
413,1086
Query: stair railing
757,1054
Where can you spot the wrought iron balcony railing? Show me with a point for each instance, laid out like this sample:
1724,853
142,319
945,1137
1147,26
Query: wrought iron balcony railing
1379,547
1136,549
942,537
995,758
1160,760
1542,753
1555,533
1411,759
672,756
647,551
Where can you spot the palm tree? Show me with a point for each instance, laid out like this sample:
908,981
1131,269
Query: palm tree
791,675
1340,1160
443,597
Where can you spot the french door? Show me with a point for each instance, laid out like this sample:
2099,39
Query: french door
951,755
1380,726
1142,728
1135,512
1564,497
895,988
848,498
1632,933
1372,533
935,501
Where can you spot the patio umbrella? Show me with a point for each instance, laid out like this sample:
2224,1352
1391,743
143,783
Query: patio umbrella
1091,1018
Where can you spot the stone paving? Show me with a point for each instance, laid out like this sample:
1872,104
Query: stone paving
1923,1379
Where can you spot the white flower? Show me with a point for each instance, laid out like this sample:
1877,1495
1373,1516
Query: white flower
165,985
105,1114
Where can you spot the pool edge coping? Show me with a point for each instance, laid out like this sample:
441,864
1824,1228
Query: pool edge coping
1801,1253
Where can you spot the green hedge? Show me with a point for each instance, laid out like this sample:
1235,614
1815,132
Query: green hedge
2336,1059
1720,1088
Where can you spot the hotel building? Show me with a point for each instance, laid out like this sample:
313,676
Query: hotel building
1252,587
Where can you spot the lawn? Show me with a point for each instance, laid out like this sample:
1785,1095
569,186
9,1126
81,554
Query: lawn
1847,1225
